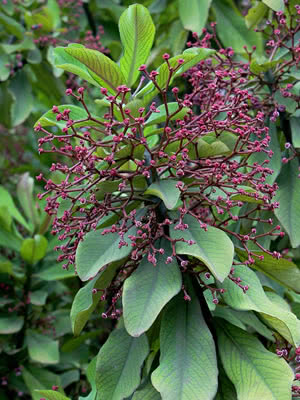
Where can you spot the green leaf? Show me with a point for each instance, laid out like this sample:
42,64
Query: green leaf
149,289
76,114
25,197
284,322
85,301
10,240
11,325
276,5
147,392
167,191
188,366
283,271
51,395
288,195
216,148
194,16
41,348
218,258
289,103
33,250
23,99
137,34
38,297
12,26
161,116
6,200
54,273
39,378
119,365
255,372
295,128
26,44
97,250
4,71
232,30
255,14
90,65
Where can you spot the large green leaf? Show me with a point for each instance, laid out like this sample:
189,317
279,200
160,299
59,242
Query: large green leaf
76,114
97,250
149,289
283,271
288,196
137,34
284,322
255,372
232,30
85,301
167,191
119,365
213,247
194,16
90,65
188,366
41,348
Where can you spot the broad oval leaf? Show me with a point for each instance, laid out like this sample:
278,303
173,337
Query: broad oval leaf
194,16
283,271
255,372
148,290
282,321
41,348
188,366
97,250
213,247
85,301
137,34
119,362
167,191
288,195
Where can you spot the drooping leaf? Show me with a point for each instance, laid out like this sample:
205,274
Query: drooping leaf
85,301
11,325
25,197
255,372
6,200
188,366
194,16
157,118
287,195
166,190
119,365
284,322
41,348
148,290
97,250
90,65
137,34
232,30
218,258
34,249
283,271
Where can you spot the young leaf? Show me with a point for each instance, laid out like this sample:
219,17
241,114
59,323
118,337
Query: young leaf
97,250
255,15
283,271
119,365
217,258
101,68
34,249
284,322
85,301
194,16
288,196
255,372
167,191
41,348
148,290
188,366
137,34
25,197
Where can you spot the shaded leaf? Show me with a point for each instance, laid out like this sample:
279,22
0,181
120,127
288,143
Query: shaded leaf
41,348
51,395
119,365
194,16
11,325
161,116
39,378
25,197
167,191
147,392
6,200
148,290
